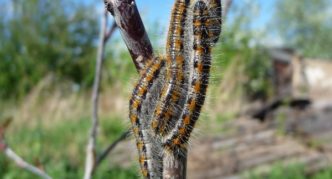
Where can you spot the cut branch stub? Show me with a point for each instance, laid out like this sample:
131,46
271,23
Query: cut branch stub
133,32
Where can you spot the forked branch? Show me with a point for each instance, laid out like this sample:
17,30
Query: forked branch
91,146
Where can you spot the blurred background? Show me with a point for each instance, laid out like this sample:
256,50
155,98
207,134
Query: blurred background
268,113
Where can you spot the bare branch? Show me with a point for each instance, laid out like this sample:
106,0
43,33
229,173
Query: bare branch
110,32
104,154
16,158
91,146
132,29
24,165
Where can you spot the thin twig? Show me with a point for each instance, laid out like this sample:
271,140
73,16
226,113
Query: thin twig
9,153
91,146
24,165
110,32
105,153
132,29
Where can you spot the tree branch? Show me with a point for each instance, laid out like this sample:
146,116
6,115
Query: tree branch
91,146
110,32
132,29
23,164
105,153
16,158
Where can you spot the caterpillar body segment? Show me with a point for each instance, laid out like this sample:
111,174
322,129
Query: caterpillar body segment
150,162
214,20
177,24
169,107
198,83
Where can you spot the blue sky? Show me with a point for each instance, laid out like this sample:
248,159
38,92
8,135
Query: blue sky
155,10
159,10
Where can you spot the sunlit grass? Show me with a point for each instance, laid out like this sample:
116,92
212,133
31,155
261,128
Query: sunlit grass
60,149
292,171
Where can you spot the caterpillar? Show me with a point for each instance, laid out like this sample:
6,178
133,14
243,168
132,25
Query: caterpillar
139,105
214,21
205,29
167,100
169,106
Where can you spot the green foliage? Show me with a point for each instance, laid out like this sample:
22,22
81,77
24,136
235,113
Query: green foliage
118,173
305,25
61,149
40,37
288,172
242,55
326,174
120,67
292,171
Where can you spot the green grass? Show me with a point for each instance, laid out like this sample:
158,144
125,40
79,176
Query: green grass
61,149
292,171
326,174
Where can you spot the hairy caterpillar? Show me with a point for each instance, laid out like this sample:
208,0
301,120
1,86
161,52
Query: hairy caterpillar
169,107
168,98
141,98
204,27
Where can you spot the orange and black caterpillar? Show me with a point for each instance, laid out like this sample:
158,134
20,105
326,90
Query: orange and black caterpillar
169,106
168,98
138,108
205,24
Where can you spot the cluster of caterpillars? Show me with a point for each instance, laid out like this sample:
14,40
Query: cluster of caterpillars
167,100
